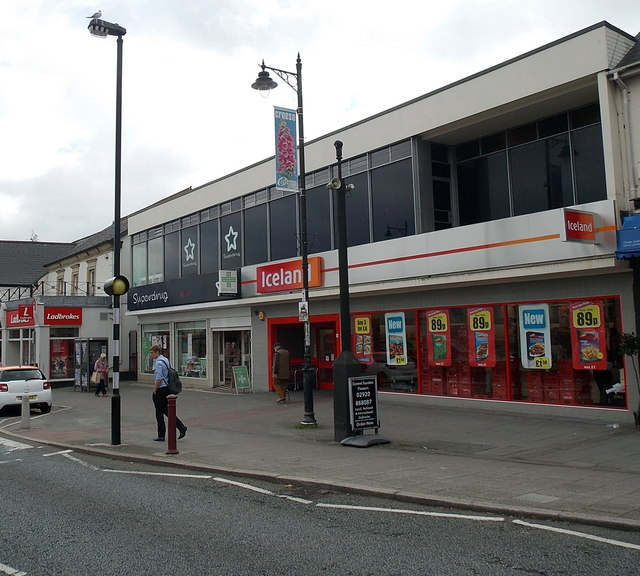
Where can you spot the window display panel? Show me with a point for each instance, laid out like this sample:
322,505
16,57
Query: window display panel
555,352
153,334
393,360
192,349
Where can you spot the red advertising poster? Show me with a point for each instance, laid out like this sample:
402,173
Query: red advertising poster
61,358
588,337
362,338
438,338
482,337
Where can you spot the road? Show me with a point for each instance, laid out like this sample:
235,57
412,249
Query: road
65,513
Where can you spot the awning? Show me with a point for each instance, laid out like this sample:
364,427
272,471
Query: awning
628,245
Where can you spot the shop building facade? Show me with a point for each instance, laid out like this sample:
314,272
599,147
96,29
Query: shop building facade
482,244
58,316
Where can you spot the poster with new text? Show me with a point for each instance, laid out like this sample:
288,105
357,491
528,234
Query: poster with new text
396,338
535,336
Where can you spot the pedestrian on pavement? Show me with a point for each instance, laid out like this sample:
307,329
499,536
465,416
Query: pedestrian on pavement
101,366
280,372
161,391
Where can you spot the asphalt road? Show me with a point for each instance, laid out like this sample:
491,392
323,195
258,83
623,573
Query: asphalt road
67,513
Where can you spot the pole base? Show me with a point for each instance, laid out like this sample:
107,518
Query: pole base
365,440
309,420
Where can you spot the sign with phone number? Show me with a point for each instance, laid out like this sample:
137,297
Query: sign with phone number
363,403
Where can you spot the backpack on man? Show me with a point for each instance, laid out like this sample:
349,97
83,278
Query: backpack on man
173,380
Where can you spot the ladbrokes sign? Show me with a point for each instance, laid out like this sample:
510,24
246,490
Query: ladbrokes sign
286,276
54,316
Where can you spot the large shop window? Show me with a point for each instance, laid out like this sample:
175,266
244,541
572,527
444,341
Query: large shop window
154,334
386,345
192,349
563,352
556,352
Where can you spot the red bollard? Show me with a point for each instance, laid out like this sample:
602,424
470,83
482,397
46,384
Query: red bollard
172,439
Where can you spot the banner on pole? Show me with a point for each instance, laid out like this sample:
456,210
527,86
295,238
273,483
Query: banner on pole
286,157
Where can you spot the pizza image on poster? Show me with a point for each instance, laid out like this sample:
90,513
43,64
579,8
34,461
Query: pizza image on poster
588,338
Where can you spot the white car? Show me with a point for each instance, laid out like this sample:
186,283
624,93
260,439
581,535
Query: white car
16,381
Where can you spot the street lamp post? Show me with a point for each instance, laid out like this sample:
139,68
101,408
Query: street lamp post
346,364
119,285
264,82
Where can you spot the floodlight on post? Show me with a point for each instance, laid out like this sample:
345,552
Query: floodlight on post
263,83
118,285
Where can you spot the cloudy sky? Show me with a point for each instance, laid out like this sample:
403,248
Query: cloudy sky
189,114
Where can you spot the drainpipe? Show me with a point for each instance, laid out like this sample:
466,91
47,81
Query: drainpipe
626,119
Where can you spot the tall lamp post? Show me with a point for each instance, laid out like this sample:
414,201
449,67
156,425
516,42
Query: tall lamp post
118,285
264,82
347,364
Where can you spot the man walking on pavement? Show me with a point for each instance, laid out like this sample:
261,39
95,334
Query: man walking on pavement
280,372
161,391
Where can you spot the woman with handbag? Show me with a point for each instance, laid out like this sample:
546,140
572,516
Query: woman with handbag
101,374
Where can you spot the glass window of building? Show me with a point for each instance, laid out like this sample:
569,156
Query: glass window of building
139,264
588,158
190,252
172,256
392,201
231,244
191,342
319,219
488,352
541,176
483,189
152,335
283,228
255,235
209,253
357,208
155,259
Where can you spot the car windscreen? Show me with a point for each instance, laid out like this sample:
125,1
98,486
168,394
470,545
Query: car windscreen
13,375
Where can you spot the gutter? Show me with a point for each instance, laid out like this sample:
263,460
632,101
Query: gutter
616,76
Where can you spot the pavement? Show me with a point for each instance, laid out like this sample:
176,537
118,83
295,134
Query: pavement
547,467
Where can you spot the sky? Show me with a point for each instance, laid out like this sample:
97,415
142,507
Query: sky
189,114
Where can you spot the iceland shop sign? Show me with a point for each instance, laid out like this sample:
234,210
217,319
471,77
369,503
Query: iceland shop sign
285,276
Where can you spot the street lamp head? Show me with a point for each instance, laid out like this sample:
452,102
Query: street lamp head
264,81
102,29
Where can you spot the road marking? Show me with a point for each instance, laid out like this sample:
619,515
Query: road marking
579,535
247,486
158,474
295,499
82,462
414,512
8,570
57,453
13,445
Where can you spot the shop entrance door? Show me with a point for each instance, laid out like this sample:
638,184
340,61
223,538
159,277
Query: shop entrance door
326,355
232,348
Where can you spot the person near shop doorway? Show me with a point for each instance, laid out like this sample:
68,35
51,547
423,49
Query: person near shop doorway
101,367
280,372
160,393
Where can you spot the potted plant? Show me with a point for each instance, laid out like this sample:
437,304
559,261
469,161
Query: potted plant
629,345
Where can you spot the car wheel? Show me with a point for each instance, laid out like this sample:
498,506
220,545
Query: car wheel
45,408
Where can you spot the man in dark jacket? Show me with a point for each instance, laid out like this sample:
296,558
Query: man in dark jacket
280,372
